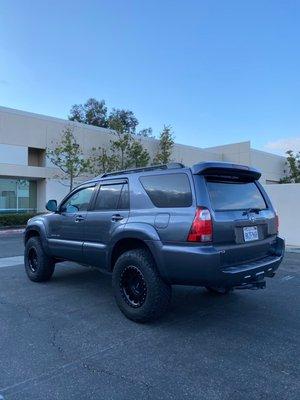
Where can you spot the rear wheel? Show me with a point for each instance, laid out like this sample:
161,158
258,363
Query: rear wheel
38,266
140,292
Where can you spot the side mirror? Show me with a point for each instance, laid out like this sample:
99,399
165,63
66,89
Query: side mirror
51,205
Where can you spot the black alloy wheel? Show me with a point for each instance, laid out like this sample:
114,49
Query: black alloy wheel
133,286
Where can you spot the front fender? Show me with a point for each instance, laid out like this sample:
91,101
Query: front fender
37,226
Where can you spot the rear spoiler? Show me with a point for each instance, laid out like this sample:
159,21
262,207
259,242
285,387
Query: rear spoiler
224,169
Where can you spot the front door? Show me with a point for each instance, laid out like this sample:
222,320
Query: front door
110,212
66,228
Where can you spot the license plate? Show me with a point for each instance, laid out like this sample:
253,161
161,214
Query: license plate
250,233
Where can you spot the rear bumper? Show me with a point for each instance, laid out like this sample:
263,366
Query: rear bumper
203,265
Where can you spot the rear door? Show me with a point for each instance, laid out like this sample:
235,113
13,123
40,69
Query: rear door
244,221
109,212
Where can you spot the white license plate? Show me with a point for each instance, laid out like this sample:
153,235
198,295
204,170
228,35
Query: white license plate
250,233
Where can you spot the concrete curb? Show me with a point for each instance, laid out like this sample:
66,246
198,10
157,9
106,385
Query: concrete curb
7,232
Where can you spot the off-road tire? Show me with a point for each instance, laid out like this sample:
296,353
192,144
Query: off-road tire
158,293
43,267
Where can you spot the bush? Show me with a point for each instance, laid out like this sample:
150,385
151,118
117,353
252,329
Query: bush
14,220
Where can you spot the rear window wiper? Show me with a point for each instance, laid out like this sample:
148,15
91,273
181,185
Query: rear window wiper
252,210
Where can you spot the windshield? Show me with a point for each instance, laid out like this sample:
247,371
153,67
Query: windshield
235,195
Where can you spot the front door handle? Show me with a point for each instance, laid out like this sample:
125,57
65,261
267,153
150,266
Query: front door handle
117,217
79,218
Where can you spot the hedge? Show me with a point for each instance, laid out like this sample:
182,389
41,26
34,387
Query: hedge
13,220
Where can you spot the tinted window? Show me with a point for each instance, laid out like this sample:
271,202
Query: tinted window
170,190
108,197
235,196
124,198
79,201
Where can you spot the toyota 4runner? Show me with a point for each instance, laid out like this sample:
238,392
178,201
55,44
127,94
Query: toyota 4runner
210,225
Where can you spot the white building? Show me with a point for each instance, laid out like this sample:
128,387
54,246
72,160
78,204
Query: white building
27,178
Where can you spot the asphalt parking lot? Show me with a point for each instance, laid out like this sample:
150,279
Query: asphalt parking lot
66,339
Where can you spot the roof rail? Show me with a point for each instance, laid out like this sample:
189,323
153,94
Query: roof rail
144,169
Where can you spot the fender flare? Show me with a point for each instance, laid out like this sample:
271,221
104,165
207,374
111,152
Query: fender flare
38,227
140,231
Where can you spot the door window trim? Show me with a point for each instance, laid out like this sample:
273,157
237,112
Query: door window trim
76,190
109,182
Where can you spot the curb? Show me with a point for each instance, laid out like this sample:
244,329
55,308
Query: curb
10,231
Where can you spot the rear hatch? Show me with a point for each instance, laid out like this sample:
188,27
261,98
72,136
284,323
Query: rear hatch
244,221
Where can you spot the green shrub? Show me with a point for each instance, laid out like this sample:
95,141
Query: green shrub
15,219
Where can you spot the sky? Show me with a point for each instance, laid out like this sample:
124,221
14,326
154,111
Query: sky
216,71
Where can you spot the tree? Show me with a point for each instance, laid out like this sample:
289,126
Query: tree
102,160
137,155
119,148
293,164
68,156
123,121
93,112
166,143
146,132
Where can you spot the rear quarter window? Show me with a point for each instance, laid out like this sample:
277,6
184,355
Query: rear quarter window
235,195
169,190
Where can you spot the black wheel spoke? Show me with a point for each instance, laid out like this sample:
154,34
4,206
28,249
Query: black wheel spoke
133,286
32,259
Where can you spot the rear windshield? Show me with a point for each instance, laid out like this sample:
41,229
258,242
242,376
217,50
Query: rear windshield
235,195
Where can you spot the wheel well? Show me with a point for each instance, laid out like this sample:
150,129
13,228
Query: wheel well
125,245
31,234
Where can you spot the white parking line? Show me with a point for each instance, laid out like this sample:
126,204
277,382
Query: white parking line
11,261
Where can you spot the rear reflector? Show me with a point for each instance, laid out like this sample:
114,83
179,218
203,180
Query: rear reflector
201,229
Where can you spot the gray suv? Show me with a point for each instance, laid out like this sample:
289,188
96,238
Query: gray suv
210,225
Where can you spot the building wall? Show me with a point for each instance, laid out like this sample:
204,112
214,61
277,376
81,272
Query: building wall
271,165
285,198
24,138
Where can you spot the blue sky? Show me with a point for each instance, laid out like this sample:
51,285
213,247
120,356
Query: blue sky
217,71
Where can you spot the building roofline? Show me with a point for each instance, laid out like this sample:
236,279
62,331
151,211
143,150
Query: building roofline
109,131
50,118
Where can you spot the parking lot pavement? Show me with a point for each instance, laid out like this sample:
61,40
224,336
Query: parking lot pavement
11,245
66,339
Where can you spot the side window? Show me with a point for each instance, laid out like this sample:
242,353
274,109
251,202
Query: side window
124,198
108,197
168,190
79,201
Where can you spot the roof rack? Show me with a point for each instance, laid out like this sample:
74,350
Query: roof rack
144,169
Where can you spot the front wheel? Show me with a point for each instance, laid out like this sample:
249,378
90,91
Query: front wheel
38,266
140,292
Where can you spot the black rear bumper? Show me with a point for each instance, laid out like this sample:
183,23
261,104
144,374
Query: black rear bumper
203,266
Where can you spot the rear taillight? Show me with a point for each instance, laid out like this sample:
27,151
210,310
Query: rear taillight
277,223
201,229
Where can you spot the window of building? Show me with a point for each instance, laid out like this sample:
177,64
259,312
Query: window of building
169,190
36,157
17,195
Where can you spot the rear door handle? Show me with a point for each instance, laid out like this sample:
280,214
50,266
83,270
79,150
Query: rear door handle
79,218
117,217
